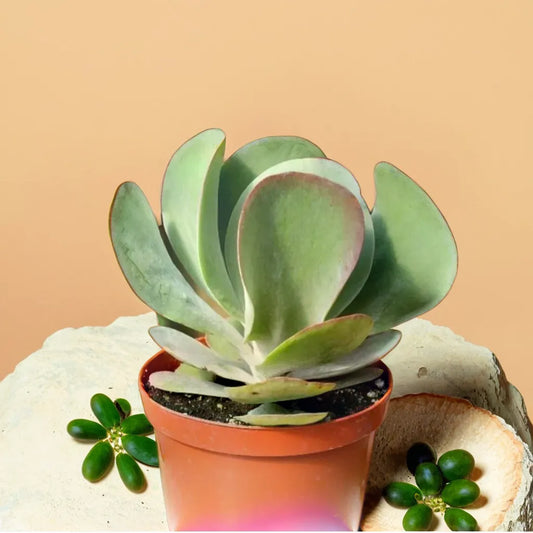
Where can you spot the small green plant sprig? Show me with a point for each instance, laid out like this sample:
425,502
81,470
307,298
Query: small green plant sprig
116,432
441,487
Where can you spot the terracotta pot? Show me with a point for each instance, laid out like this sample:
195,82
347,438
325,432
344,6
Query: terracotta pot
222,477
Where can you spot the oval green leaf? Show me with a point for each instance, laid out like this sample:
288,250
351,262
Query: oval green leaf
98,461
150,271
373,349
323,168
83,429
317,345
194,353
415,260
402,495
300,237
357,377
186,384
137,425
278,390
105,410
189,370
456,464
271,414
189,212
243,166
417,518
144,449
460,492
123,406
460,520
228,350
130,472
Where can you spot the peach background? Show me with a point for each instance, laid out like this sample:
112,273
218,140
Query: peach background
94,93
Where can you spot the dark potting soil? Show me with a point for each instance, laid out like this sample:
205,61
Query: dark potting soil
338,403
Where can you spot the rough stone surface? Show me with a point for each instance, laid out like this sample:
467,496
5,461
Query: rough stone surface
41,487
434,359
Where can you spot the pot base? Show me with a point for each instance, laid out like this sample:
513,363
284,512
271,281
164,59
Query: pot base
205,490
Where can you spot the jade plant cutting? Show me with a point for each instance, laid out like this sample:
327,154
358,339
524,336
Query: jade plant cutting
441,487
274,257
115,432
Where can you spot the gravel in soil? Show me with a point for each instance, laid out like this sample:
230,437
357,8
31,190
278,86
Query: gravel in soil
339,403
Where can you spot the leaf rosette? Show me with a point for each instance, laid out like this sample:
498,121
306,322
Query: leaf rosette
274,256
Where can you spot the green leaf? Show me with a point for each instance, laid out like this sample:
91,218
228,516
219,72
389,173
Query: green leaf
278,390
175,382
373,349
149,270
243,166
317,345
359,376
223,347
163,321
189,370
189,205
323,168
415,260
300,237
272,414
192,352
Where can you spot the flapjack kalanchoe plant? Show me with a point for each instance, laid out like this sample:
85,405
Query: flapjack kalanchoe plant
274,256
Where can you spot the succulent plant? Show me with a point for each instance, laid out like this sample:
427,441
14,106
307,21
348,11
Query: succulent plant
115,432
274,256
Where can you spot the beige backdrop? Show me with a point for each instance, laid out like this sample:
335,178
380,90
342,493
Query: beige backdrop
94,93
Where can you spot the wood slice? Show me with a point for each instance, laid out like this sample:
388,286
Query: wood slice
502,471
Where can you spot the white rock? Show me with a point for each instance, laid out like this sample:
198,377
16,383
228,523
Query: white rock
434,359
41,485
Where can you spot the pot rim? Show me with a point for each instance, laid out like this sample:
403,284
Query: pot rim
257,440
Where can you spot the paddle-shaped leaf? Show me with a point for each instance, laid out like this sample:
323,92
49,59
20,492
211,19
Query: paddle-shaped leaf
243,166
415,261
317,345
300,237
323,168
189,207
192,352
278,390
162,321
272,414
149,270
231,350
373,349
177,382
223,347
359,376
188,370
